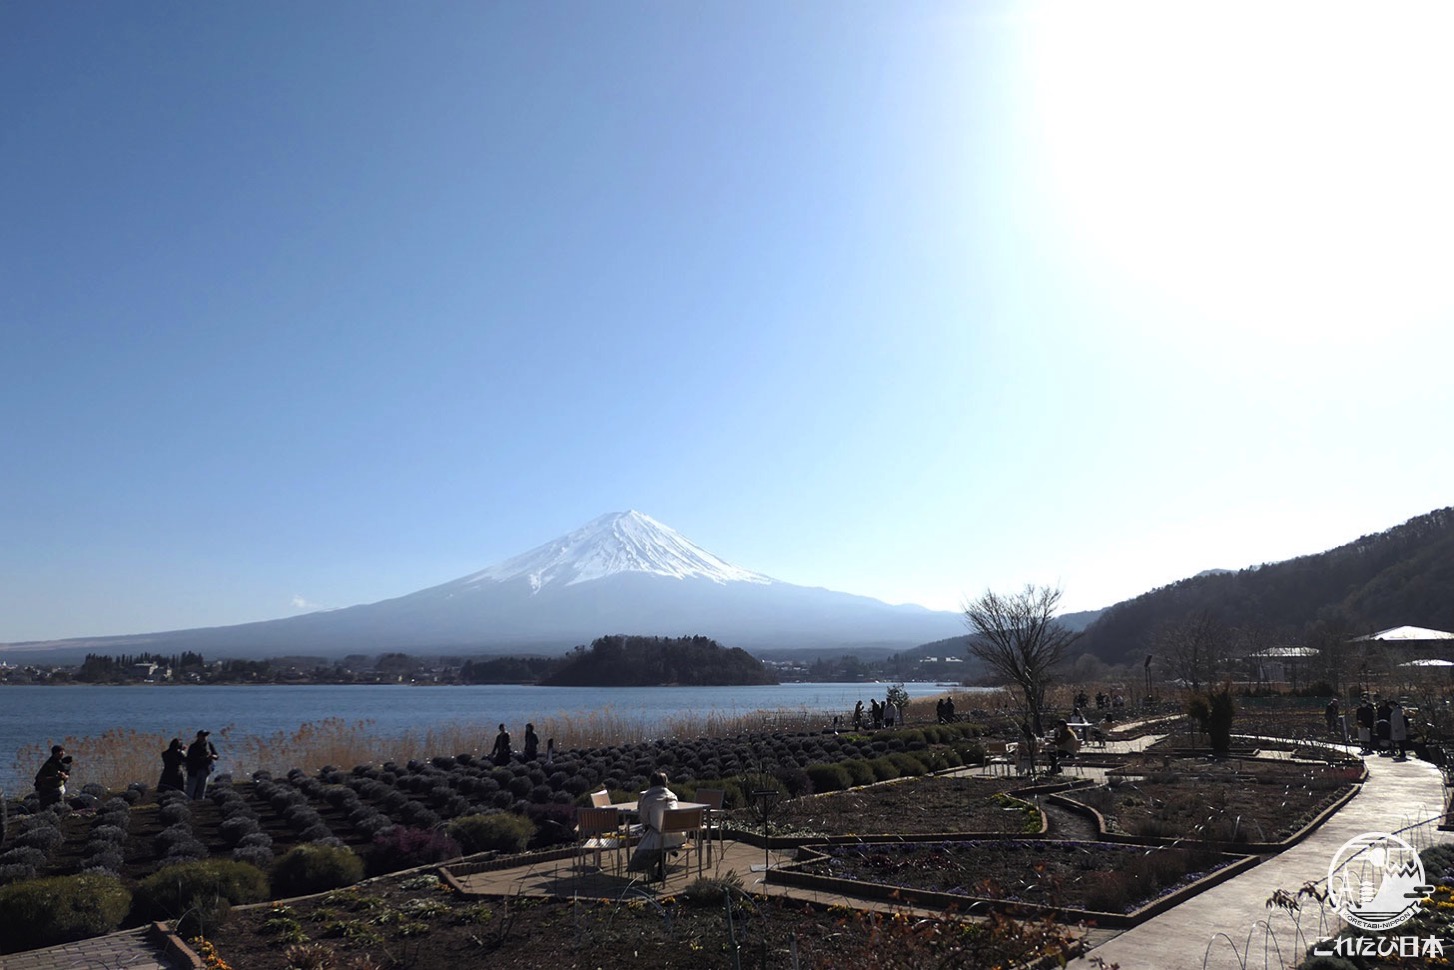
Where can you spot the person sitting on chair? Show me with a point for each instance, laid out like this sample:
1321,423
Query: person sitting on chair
652,806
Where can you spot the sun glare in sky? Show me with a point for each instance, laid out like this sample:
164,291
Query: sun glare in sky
1275,169
325,304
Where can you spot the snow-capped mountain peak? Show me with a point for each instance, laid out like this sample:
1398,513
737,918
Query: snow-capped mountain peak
621,542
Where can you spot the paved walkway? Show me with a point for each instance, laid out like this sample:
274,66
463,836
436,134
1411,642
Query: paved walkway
138,949
1230,927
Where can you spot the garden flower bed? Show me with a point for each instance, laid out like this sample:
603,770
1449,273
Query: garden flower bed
921,807
1105,883
1256,806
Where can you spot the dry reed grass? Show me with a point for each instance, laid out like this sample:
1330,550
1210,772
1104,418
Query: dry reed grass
113,760
118,757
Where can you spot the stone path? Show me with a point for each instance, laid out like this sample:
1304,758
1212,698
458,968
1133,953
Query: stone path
138,949
1230,927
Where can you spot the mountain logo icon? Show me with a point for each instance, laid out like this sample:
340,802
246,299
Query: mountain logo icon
1376,881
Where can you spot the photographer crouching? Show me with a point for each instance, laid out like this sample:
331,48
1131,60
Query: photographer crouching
50,780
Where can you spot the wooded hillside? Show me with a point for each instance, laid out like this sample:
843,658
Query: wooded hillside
1404,575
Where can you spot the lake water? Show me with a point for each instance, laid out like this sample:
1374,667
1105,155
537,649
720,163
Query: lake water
45,715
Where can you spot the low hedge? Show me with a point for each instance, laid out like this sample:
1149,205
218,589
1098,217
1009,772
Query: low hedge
503,832
198,895
315,868
59,909
829,777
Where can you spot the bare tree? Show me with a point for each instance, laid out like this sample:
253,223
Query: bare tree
1195,647
1017,637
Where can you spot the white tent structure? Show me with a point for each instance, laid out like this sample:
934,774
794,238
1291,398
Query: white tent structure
1404,634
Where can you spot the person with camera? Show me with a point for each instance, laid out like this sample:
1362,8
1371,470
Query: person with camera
50,780
200,758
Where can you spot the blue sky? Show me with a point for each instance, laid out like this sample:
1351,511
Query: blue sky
313,305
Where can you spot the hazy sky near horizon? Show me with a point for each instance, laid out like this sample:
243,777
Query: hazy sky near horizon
311,305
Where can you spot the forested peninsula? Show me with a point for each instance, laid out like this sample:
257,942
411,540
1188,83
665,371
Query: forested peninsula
636,661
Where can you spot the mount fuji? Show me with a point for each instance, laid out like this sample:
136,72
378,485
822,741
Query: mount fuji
620,573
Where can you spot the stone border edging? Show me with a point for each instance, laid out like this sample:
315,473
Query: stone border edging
790,876
450,869
175,948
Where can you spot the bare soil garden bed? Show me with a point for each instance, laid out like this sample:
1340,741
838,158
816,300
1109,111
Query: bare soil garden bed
925,806
412,922
1240,801
1081,877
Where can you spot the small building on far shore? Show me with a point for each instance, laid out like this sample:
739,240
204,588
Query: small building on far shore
1278,665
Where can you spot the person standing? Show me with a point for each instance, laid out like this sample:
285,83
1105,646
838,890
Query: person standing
500,753
174,759
1380,728
1365,718
532,742
50,780
858,715
201,756
1398,731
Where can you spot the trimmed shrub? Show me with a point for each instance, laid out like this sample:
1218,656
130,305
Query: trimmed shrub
254,855
402,847
44,912
418,816
106,857
970,752
908,764
502,832
233,829
42,837
199,894
262,839
174,812
172,835
186,851
884,769
15,872
309,869
795,780
829,777
23,856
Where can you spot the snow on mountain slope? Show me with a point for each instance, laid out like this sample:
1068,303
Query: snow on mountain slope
622,573
621,542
